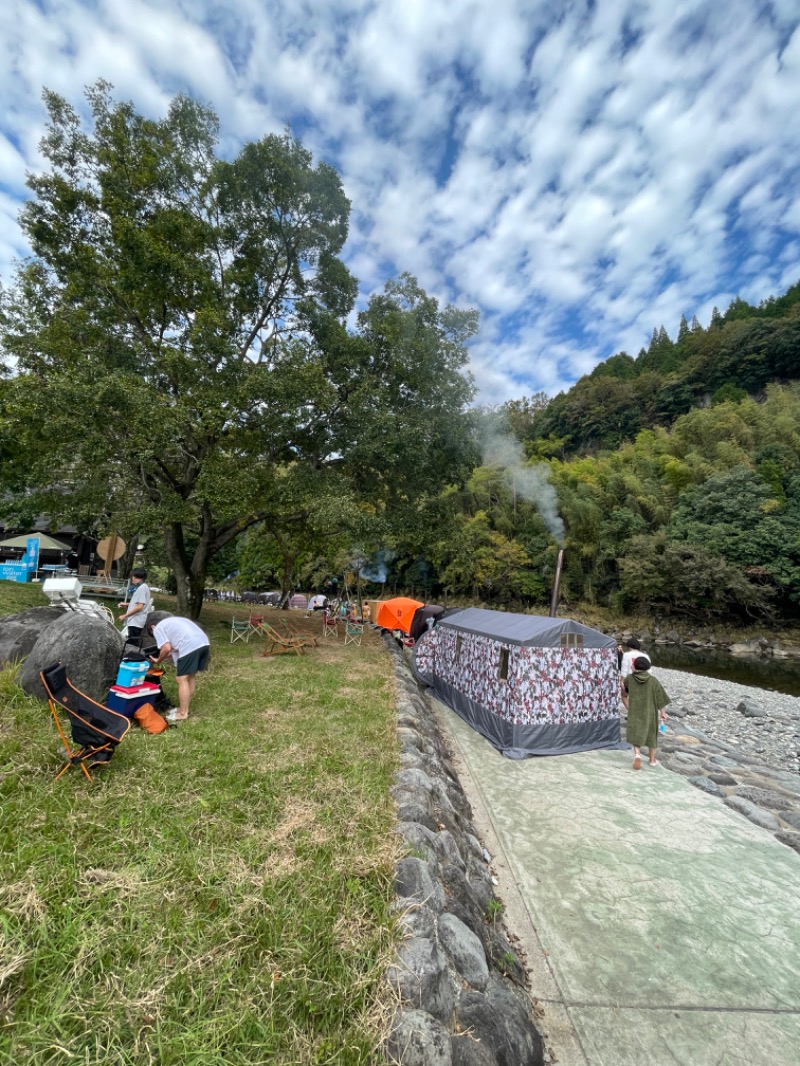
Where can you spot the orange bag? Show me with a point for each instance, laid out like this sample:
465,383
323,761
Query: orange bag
149,718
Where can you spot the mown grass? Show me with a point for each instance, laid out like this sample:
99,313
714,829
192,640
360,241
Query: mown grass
220,893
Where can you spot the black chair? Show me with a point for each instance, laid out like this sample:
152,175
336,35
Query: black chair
96,730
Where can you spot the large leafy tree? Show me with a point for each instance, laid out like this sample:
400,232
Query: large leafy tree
179,343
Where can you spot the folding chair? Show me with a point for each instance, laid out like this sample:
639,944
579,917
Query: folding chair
330,626
353,632
285,628
95,729
241,630
255,621
276,643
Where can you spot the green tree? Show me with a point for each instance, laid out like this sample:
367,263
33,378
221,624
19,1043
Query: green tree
180,343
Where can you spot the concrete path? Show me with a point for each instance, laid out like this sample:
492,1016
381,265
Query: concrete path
660,926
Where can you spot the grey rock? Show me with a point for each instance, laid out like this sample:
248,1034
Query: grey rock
446,848
755,814
719,777
20,632
676,712
685,764
464,949
501,1020
414,880
792,817
467,1051
416,919
419,839
791,840
408,780
764,797
422,978
89,647
750,709
706,785
417,1039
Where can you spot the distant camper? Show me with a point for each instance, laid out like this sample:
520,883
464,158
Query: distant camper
632,650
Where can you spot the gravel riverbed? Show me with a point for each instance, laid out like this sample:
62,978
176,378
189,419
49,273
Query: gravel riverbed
738,743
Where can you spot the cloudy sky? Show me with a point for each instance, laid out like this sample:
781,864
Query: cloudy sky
580,177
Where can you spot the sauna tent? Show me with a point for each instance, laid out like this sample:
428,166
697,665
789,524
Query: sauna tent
531,685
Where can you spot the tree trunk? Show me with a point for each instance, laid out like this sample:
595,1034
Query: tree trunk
190,575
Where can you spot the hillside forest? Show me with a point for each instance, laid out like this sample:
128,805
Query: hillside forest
180,361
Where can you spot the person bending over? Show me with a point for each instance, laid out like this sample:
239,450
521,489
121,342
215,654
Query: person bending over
646,702
189,648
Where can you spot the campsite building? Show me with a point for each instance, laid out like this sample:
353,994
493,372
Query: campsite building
531,685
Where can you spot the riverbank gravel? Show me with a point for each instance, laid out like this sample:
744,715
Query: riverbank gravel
738,743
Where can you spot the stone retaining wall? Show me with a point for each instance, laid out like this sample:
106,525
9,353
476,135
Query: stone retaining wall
460,985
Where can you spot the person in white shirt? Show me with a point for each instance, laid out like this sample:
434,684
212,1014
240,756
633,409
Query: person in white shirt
190,649
634,651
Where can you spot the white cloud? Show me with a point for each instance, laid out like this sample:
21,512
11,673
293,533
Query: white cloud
580,176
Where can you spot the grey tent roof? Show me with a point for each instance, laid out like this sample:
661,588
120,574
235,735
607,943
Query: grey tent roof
45,543
528,630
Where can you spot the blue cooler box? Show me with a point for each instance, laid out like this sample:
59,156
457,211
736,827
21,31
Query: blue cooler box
131,673
128,700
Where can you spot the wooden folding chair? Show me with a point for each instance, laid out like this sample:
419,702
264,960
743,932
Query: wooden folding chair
285,628
277,643
241,630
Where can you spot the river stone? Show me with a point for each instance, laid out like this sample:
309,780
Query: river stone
755,814
685,764
422,978
446,848
419,839
791,840
677,712
20,632
413,880
88,646
792,817
417,1039
465,950
719,777
501,1020
467,1051
706,785
416,920
764,798
750,709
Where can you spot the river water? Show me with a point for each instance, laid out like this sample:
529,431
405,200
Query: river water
778,675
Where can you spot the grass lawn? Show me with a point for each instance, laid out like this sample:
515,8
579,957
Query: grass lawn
220,893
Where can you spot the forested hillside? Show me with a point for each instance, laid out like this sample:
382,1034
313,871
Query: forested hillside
676,476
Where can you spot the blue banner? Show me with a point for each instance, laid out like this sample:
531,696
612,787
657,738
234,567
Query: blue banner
15,572
31,556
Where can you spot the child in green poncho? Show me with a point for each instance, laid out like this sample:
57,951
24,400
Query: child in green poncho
646,702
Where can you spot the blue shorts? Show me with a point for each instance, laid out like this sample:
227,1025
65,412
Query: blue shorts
194,662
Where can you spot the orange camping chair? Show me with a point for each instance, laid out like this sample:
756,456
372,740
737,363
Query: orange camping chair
96,730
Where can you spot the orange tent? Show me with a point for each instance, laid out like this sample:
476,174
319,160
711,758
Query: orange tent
397,613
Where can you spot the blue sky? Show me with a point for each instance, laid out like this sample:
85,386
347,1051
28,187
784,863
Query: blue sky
579,172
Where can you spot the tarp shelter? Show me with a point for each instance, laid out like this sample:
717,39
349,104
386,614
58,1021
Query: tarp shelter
531,685
46,544
397,613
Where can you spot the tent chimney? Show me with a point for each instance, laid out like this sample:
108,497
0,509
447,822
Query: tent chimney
557,583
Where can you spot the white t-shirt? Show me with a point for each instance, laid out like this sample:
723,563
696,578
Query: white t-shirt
628,659
184,635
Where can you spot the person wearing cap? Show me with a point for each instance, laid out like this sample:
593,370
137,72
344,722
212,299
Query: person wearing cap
646,702
190,650
137,608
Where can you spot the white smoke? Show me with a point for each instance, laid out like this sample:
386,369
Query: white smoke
529,481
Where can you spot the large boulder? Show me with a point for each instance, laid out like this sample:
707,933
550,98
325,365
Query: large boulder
88,646
19,632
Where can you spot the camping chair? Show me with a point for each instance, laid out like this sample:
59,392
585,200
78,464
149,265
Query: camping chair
277,643
285,628
95,729
330,626
255,621
353,632
241,630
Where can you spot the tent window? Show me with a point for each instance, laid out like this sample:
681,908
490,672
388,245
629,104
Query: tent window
458,648
571,640
502,670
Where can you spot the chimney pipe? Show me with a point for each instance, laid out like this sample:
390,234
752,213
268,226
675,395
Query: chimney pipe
556,583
